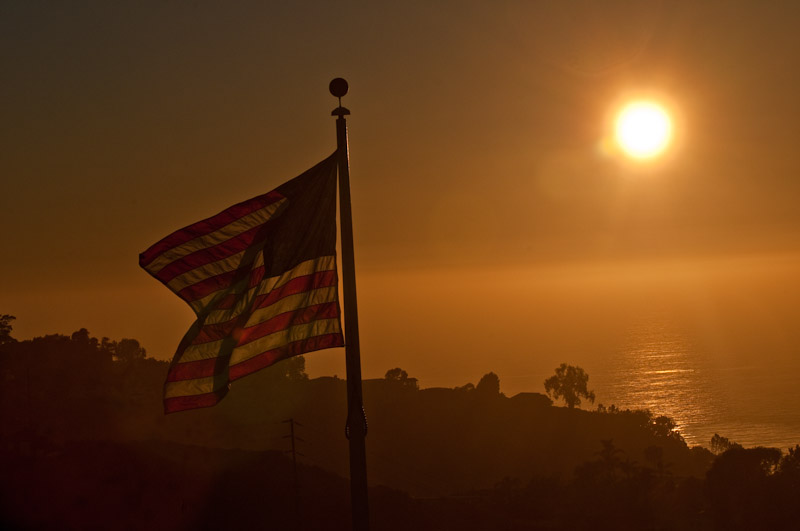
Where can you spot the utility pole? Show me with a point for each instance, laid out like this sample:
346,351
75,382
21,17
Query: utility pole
291,422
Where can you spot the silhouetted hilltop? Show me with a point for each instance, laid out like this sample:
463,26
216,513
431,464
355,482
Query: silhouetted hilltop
428,442
85,444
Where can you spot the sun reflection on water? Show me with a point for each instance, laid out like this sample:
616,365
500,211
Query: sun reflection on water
657,368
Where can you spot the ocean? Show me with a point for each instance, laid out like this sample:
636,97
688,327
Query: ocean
753,400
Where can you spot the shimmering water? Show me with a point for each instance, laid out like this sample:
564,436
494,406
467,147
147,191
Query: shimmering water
714,344
660,367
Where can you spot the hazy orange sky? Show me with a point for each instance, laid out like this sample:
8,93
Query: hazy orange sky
491,232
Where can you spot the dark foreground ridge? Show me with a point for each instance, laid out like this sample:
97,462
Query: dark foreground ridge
86,445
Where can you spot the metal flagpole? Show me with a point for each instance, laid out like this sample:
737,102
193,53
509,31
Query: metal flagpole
356,428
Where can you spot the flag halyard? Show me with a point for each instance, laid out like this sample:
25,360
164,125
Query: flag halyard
261,277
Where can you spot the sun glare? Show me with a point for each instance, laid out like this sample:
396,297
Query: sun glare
643,129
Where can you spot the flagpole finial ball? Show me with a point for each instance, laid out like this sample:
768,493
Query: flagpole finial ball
338,87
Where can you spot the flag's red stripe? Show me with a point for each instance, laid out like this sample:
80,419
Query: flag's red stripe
269,357
211,284
201,257
206,368
209,367
228,301
192,370
181,403
207,226
214,332
320,279
328,310
217,331
208,286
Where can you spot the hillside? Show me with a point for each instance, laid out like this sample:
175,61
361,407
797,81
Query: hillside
85,444
427,442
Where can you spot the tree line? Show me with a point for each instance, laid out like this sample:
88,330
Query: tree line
553,468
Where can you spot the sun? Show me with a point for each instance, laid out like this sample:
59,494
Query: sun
643,129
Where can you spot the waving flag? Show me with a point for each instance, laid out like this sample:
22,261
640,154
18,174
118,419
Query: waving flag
261,277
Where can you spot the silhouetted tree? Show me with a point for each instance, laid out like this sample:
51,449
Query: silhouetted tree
790,463
5,329
292,369
663,426
654,456
128,351
610,457
489,384
614,492
741,491
82,339
396,375
400,376
720,444
787,480
601,408
570,384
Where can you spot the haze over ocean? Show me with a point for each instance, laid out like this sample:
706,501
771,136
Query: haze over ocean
723,360
712,344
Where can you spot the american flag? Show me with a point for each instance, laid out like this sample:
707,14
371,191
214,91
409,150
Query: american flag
261,278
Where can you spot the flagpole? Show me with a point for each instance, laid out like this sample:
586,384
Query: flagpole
356,428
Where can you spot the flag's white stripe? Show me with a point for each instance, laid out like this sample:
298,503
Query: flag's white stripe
212,269
198,386
213,349
227,232
200,305
283,337
323,263
293,302
278,339
203,351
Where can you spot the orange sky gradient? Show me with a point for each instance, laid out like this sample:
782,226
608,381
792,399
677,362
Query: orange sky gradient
492,232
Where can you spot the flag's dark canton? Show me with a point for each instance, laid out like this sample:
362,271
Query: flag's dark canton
261,277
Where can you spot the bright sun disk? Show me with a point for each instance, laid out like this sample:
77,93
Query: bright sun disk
643,129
